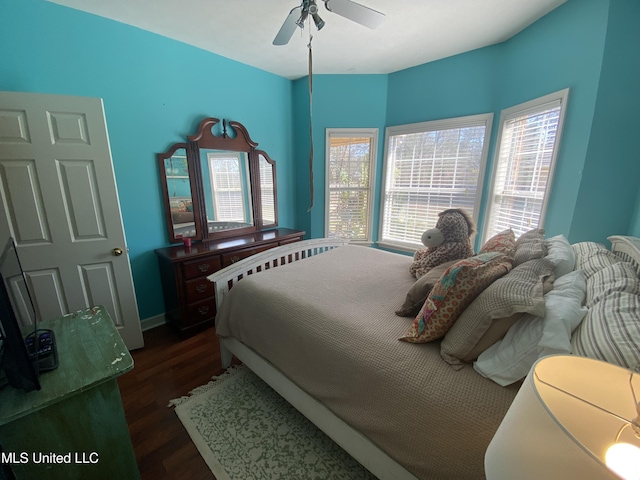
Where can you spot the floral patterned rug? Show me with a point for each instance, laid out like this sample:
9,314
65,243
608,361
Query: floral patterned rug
245,430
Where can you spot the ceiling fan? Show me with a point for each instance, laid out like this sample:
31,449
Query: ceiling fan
309,8
297,16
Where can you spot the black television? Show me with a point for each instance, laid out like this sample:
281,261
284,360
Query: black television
18,368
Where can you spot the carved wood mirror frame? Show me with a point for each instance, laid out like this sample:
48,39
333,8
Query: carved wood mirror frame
193,208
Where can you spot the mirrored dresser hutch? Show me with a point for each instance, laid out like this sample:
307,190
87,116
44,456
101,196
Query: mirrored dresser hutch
220,198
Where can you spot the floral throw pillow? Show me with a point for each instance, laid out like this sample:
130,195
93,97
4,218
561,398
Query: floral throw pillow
460,284
504,242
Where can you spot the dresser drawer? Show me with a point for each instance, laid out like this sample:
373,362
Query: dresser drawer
290,240
198,289
200,311
229,258
202,267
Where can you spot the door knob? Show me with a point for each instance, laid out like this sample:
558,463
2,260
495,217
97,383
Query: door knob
117,252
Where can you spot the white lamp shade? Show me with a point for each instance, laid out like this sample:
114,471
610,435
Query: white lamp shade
567,414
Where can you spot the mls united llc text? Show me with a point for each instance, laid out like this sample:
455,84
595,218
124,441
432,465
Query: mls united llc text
49,458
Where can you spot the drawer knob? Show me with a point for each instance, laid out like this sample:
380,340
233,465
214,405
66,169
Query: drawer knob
203,267
201,288
203,310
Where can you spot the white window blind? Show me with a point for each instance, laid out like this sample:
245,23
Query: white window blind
350,174
526,153
226,179
431,167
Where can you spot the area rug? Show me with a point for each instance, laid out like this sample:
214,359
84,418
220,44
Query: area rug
244,430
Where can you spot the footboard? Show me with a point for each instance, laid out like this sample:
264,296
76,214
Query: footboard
225,279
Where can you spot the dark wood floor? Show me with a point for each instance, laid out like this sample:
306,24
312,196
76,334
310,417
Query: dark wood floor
167,367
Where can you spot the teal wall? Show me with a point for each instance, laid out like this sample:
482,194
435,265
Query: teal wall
568,42
453,87
609,186
563,49
339,101
589,46
155,92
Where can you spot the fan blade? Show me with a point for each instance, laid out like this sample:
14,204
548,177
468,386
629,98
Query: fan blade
288,27
356,12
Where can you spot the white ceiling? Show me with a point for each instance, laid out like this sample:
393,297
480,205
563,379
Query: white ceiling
414,31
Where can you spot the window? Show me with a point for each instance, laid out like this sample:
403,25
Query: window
227,172
430,167
351,156
528,143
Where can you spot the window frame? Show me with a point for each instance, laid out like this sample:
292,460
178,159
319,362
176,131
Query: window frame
483,119
523,109
371,133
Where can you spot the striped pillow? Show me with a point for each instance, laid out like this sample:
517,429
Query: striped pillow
592,257
530,246
611,331
618,277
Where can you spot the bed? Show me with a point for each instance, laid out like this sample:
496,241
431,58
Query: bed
324,334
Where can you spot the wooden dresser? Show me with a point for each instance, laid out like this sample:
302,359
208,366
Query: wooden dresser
188,295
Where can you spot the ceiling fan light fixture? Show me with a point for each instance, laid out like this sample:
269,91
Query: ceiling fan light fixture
303,18
318,21
345,8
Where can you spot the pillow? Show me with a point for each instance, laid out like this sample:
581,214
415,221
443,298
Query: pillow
504,242
455,290
559,251
520,291
611,331
496,331
530,246
592,256
532,235
420,290
533,337
500,326
584,249
618,277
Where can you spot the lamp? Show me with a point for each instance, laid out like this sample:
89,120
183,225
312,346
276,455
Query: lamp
573,417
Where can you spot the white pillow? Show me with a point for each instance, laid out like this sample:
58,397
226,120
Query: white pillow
561,254
531,337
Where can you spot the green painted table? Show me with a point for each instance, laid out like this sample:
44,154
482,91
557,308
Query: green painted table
74,427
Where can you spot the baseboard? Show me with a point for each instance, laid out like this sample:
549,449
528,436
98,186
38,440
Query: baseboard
152,322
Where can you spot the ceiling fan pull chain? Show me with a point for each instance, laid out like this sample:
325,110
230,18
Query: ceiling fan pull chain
310,123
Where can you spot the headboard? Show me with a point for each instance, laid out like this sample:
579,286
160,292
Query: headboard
627,248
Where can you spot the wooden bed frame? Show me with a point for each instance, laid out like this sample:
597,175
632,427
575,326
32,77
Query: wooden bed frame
352,441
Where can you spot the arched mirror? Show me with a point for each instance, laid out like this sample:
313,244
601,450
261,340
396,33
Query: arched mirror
217,184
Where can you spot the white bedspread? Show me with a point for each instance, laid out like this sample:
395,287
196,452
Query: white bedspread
328,323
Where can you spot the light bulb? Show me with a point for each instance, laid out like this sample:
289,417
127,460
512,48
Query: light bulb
624,460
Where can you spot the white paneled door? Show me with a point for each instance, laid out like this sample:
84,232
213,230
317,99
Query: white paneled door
60,204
